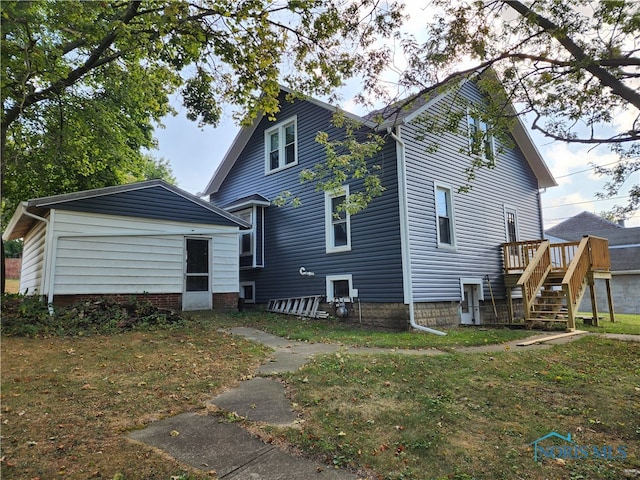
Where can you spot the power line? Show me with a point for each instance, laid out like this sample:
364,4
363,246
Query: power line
587,169
586,201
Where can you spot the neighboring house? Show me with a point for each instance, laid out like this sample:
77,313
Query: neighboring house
147,239
421,252
624,251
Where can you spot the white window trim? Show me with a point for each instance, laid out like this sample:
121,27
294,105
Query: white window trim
476,121
328,221
508,210
249,284
251,231
280,128
472,281
329,285
452,223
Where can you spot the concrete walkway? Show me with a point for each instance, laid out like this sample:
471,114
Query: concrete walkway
210,443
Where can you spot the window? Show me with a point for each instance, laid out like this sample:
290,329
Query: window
480,138
511,224
248,292
281,146
337,221
246,236
339,287
444,216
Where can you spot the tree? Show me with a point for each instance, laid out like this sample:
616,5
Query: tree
83,83
570,66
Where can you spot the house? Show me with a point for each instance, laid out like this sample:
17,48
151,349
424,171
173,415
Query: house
147,239
624,250
422,253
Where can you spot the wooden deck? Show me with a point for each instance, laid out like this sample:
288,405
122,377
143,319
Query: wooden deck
553,278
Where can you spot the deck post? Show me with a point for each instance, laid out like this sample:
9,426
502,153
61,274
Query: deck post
594,302
571,319
610,299
510,305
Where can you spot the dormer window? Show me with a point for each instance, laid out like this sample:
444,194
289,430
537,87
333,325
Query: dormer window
281,146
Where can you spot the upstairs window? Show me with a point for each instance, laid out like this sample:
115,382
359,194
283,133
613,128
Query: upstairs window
281,146
444,215
337,221
480,139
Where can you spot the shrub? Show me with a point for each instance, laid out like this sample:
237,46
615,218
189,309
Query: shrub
29,316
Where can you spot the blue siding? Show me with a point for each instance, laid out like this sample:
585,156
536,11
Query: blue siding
478,215
155,203
295,237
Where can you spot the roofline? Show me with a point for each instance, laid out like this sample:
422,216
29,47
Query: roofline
245,133
17,215
52,201
97,192
517,129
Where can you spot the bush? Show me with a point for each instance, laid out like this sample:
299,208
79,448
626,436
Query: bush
29,316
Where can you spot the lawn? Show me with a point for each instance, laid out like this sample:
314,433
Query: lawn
69,401
336,331
624,323
472,416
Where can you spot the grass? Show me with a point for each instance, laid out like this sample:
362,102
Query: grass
624,323
470,416
12,285
67,403
335,331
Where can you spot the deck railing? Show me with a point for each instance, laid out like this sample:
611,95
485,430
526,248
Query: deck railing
534,260
572,281
517,255
535,274
562,254
599,253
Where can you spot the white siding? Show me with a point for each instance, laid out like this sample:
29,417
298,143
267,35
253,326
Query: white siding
226,271
103,254
33,260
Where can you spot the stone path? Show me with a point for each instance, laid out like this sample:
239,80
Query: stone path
209,443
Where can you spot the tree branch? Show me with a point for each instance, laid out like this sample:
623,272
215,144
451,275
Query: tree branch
591,65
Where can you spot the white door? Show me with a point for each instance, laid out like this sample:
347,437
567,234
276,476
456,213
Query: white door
470,305
197,278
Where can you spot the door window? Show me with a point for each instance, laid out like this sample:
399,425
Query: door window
197,265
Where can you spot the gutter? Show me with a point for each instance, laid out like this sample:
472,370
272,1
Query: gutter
404,234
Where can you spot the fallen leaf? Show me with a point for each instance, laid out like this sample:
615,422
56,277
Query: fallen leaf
174,433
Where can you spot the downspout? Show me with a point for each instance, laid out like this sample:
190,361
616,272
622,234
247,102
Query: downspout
50,293
404,233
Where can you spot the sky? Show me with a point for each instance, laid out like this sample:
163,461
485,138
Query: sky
194,154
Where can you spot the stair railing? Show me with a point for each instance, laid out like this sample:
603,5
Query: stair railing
534,275
573,279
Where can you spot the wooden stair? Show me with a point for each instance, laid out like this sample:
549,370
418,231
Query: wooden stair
299,306
553,278
550,306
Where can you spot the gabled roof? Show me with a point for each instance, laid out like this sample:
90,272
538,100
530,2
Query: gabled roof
381,120
248,201
154,199
585,223
245,134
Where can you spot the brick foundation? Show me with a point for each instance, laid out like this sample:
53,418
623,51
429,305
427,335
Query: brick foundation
167,301
395,316
225,301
